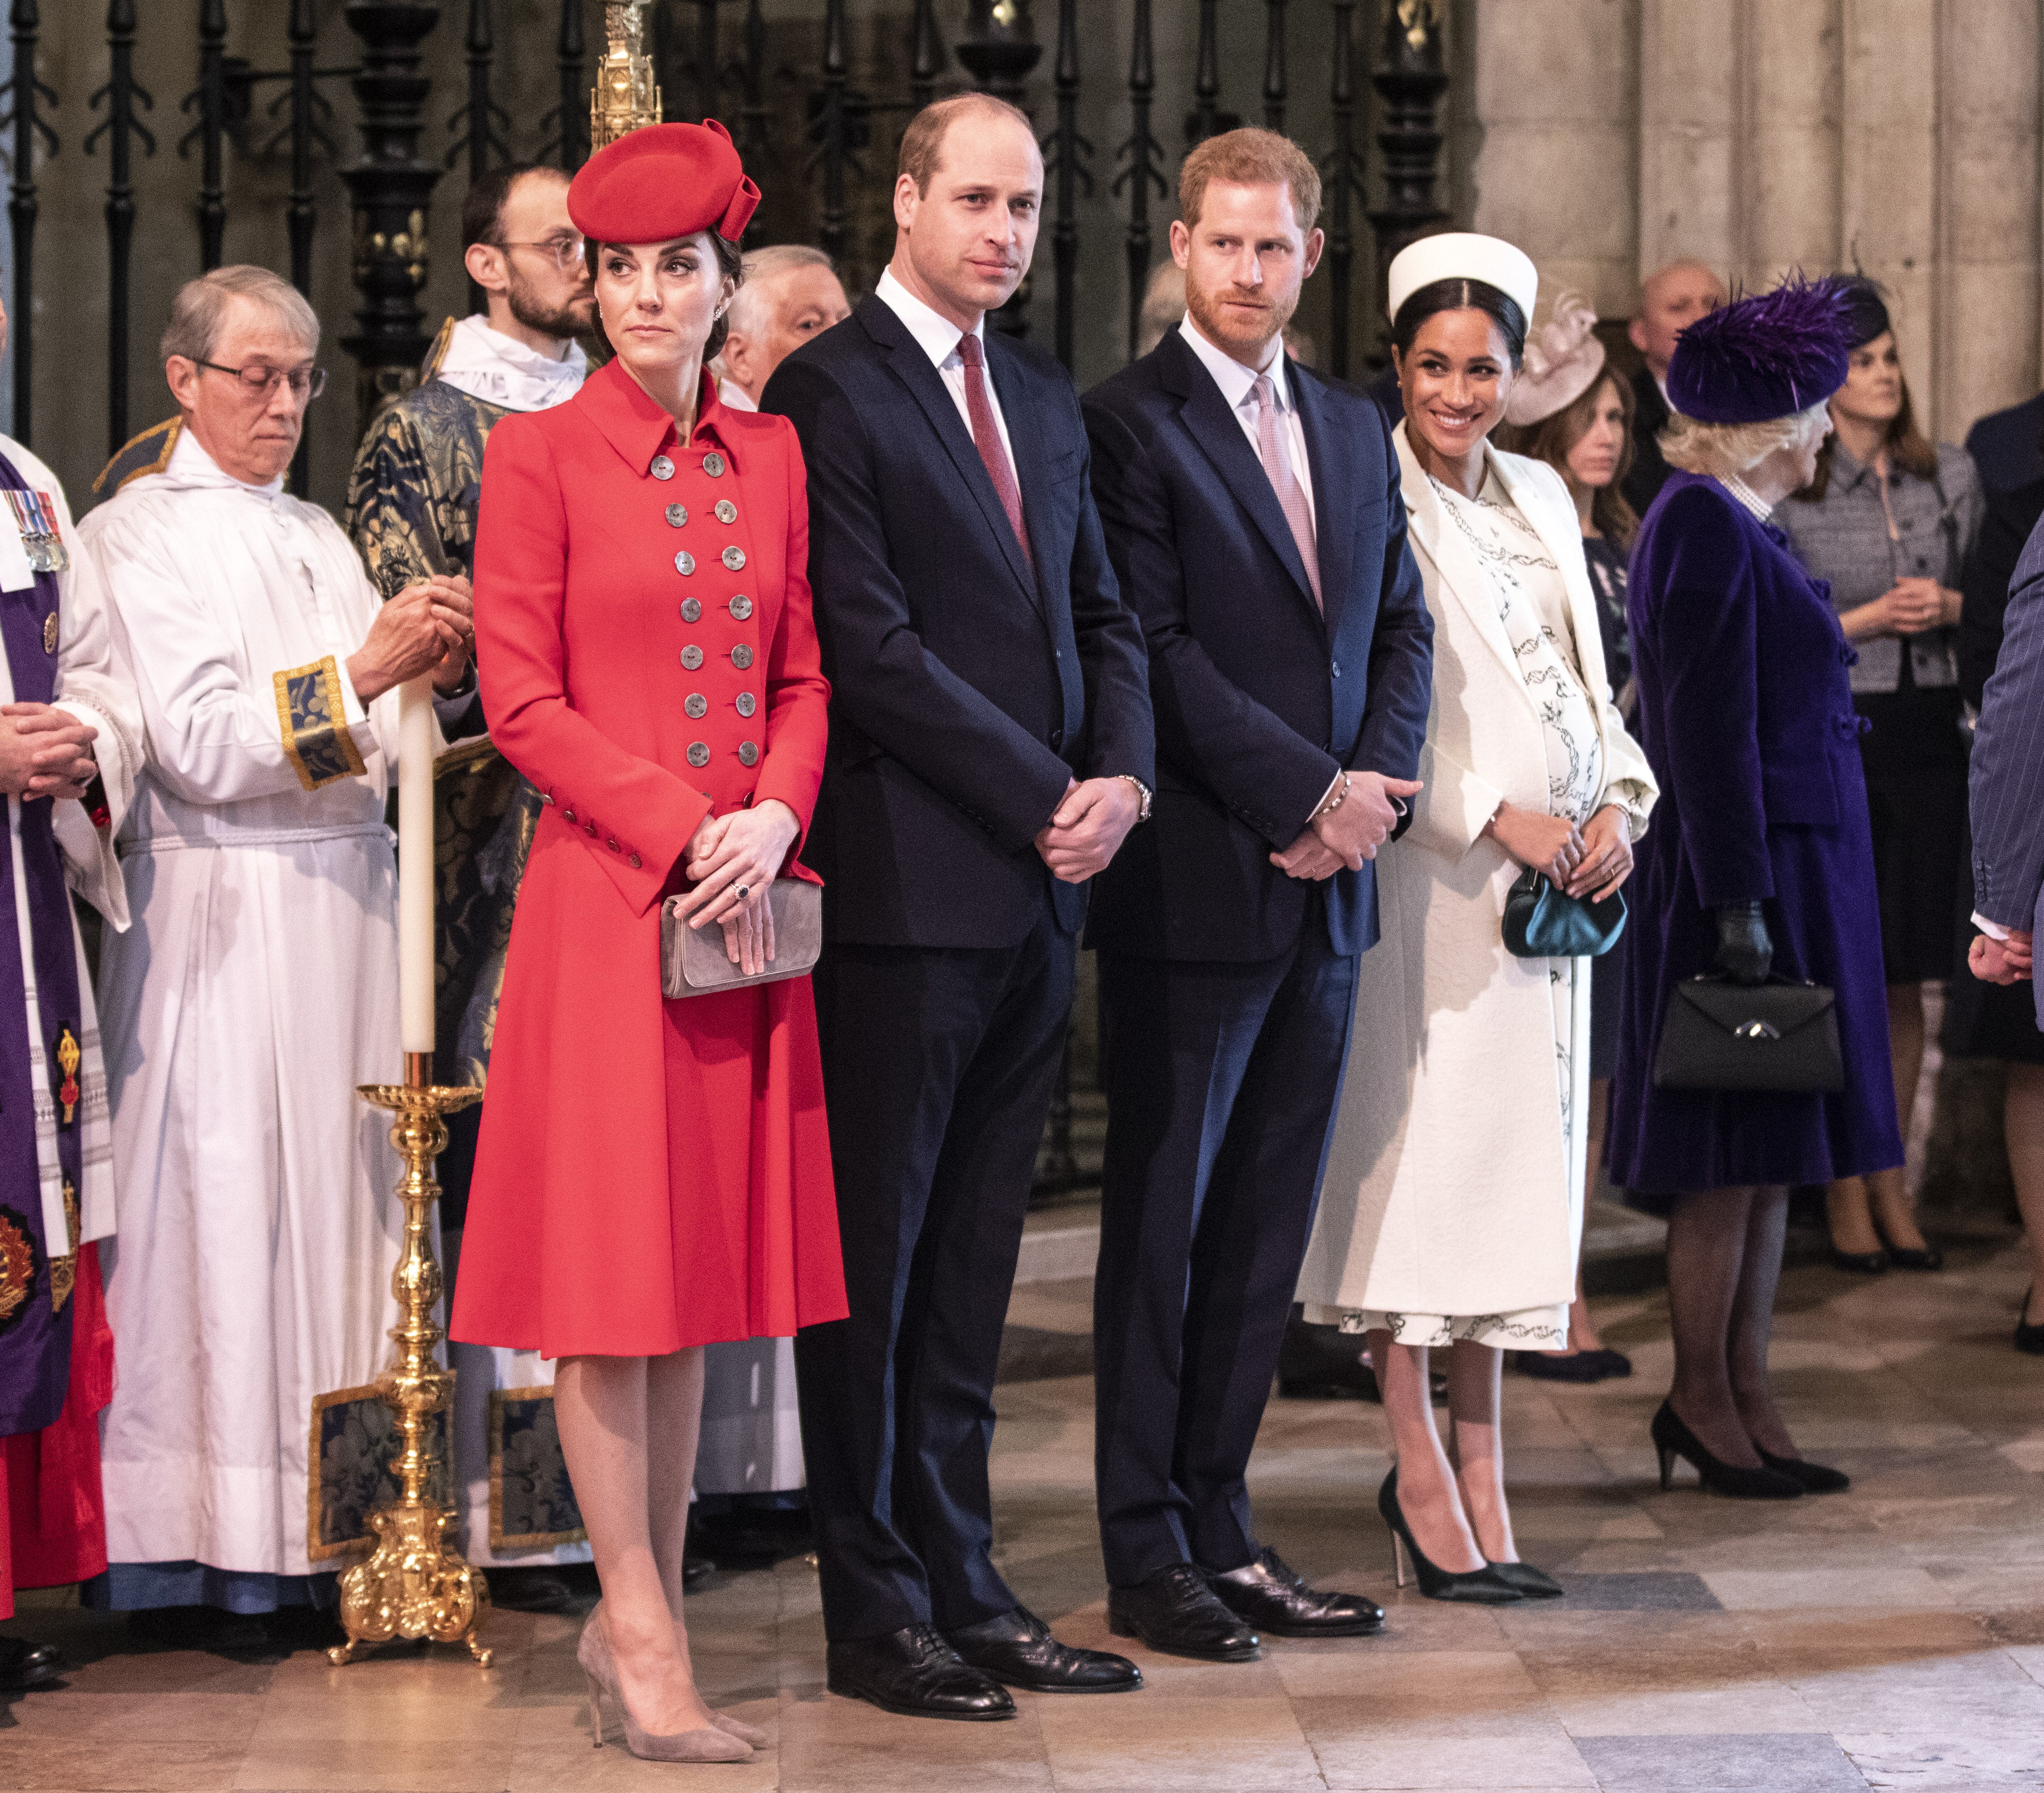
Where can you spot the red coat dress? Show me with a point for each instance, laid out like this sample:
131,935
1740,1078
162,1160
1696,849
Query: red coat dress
650,1175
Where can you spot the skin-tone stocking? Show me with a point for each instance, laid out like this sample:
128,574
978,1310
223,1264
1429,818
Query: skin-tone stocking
2022,1120
629,1428
1707,1258
1427,1490
1864,1213
1476,1399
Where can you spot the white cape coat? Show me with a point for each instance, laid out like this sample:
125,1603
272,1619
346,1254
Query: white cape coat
256,987
1450,1188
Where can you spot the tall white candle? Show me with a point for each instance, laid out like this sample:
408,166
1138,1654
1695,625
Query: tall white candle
415,862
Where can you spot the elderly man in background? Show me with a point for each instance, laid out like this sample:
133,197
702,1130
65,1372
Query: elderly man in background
412,502
789,295
257,986
1671,299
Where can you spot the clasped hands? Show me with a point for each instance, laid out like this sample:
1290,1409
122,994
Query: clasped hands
2001,962
45,752
428,627
1349,833
1591,862
1908,607
742,851
1092,820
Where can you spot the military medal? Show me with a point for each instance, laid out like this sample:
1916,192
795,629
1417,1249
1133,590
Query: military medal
36,516
69,1057
50,633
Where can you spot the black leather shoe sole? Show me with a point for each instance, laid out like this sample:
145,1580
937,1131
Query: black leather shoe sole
1053,1684
910,1708
1239,1653
1291,1627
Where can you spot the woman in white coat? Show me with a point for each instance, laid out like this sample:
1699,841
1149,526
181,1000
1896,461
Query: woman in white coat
1451,1208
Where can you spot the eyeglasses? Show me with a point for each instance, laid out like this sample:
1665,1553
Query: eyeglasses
259,382
567,251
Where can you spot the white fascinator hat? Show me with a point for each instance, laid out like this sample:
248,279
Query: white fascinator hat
1563,360
1465,254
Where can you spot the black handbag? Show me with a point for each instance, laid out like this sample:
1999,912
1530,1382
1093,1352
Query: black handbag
1542,922
1778,1035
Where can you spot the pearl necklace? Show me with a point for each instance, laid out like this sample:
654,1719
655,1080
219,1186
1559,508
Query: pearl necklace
1746,495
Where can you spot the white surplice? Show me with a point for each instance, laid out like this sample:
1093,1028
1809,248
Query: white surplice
256,987
86,688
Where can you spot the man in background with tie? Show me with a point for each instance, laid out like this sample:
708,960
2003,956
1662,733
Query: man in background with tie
990,746
1254,518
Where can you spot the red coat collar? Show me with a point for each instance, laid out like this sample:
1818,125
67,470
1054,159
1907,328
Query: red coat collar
639,428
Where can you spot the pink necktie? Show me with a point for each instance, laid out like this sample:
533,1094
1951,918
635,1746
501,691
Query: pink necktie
1291,498
986,439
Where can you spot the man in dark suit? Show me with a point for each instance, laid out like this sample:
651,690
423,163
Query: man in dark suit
2007,447
991,745
1254,517
1671,299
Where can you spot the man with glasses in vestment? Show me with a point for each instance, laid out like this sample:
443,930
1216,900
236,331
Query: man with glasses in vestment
412,501
257,985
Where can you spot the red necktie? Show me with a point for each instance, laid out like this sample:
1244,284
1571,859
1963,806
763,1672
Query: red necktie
986,439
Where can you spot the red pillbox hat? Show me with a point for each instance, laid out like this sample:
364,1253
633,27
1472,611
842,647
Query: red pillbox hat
661,181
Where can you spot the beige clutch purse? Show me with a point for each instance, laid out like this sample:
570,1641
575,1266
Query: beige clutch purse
693,962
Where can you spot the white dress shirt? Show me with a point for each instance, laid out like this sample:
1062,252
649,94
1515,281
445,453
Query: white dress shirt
939,339
1238,384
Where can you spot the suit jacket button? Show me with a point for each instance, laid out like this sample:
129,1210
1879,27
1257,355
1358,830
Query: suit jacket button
697,706
748,753
692,657
1337,668
726,511
685,563
741,657
661,468
698,753
691,609
678,515
1057,737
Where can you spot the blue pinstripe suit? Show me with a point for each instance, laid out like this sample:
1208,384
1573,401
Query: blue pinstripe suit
2008,763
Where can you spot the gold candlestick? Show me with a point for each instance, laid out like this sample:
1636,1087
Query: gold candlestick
415,1584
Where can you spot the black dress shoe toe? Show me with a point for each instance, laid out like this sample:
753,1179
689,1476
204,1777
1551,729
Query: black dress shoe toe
23,1665
1176,1613
1860,1263
915,1673
1017,1648
1270,1596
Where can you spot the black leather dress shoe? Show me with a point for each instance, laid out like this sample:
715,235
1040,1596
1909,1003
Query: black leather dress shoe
1273,1597
23,1665
915,1673
1017,1648
1176,1612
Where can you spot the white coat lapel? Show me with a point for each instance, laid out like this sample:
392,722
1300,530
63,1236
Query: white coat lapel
1553,518
1459,575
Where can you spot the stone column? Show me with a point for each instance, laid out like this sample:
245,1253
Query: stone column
1692,132
1559,95
1791,74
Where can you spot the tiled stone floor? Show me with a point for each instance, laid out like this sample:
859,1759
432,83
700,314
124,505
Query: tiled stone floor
1890,1638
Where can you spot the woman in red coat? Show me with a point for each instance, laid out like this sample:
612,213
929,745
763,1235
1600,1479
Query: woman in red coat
652,1176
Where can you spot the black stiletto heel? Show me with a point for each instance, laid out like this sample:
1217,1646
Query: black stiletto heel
1673,1439
1484,1587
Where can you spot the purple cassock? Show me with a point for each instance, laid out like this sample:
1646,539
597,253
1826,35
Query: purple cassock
35,1336
1747,714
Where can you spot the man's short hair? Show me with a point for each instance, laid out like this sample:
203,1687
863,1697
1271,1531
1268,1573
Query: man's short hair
922,143
748,313
200,307
482,211
1251,158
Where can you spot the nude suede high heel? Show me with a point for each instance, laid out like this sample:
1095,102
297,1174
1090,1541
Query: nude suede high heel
720,1741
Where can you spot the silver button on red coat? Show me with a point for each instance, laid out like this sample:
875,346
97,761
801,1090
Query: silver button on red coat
698,753
748,753
691,609
678,515
691,659
726,511
734,559
741,607
685,563
746,702
661,468
741,656
713,464
697,705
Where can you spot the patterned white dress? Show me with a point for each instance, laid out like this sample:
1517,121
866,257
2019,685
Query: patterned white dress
1526,586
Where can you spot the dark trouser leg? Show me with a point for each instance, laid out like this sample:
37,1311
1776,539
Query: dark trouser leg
1254,1224
898,1027
963,1272
1175,1044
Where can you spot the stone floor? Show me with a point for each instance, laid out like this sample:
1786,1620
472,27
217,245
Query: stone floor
1890,1638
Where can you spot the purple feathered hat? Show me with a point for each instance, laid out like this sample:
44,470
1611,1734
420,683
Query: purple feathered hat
1769,355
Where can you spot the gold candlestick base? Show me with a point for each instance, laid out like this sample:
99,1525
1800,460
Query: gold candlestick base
414,1584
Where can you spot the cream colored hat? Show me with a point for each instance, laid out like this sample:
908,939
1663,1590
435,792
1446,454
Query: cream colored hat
1563,359
1463,254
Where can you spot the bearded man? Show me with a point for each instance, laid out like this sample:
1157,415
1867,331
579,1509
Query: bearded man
1254,519
412,501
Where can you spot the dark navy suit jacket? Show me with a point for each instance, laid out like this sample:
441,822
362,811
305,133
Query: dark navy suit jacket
1259,699
966,691
2007,447
2008,763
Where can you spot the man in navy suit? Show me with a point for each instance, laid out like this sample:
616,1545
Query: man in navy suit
991,745
1254,517
2007,805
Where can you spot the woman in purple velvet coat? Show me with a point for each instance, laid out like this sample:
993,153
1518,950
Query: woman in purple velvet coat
1760,858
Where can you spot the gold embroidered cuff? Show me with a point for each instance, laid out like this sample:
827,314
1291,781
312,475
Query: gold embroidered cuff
314,720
